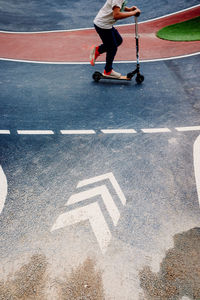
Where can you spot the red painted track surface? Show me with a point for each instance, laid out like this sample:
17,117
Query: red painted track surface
74,46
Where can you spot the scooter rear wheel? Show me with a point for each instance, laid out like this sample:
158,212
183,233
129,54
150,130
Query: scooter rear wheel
96,76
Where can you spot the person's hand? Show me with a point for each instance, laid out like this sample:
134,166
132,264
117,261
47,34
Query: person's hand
137,12
133,8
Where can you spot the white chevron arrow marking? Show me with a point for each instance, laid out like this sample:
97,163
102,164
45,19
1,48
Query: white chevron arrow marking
91,212
3,189
196,154
112,179
106,196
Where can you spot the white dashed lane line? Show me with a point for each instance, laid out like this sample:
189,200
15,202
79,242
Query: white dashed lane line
156,130
191,128
104,131
78,132
111,131
4,131
33,132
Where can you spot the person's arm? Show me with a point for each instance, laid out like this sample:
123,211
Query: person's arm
129,12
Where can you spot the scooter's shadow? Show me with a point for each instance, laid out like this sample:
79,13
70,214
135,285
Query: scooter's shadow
112,83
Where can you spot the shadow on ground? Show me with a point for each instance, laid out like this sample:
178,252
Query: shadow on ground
32,282
179,276
179,273
28,282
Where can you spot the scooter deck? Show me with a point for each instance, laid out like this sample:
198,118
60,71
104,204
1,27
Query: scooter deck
115,78
97,76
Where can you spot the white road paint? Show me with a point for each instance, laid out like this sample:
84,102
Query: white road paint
77,131
35,132
196,155
4,131
3,189
155,130
93,214
98,63
190,128
106,176
106,196
111,131
105,131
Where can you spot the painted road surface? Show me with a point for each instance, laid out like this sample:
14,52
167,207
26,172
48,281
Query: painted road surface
74,46
99,182
56,208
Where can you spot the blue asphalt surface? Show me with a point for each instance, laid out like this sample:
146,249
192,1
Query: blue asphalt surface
37,96
155,171
58,15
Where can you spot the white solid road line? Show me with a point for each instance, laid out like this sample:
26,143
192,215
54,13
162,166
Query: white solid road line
3,189
98,63
196,155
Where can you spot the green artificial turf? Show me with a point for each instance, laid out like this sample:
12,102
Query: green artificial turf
184,31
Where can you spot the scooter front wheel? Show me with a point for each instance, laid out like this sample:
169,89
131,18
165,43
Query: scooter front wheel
139,78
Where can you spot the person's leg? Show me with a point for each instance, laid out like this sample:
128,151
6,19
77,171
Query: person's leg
96,51
111,40
114,42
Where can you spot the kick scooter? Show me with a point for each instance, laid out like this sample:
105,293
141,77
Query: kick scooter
139,78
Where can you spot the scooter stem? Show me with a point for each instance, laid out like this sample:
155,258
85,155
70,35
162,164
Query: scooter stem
136,27
139,77
137,40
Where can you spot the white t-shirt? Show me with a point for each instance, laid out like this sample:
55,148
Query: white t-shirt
104,18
